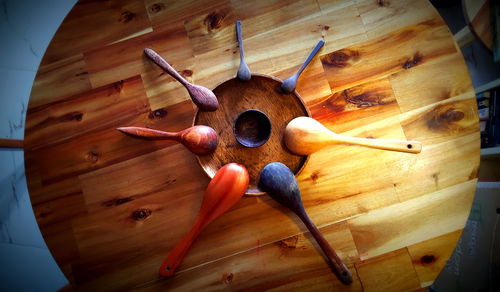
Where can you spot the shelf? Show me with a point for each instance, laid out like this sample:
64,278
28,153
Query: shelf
492,152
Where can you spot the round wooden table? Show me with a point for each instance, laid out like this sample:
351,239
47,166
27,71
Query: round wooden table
111,207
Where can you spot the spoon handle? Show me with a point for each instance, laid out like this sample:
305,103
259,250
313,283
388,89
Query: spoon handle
177,254
385,144
311,56
148,133
165,66
240,40
334,261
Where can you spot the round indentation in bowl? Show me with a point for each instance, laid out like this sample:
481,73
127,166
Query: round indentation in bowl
262,93
252,128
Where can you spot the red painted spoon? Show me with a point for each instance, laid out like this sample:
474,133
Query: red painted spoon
224,190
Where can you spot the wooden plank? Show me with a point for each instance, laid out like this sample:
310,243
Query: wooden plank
357,106
163,90
283,48
163,13
392,271
283,265
440,160
414,89
85,113
377,232
59,80
384,15
125,59
429,257
11,143
451,117
87,152
215,29
312,84
412,46
120,18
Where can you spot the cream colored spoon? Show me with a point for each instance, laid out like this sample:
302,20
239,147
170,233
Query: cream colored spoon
305,135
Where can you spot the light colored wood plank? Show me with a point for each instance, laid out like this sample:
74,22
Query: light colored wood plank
451,117
120,18
377,232
58,80
216,29
413,46
413,88
380,16
392,271
430,256
282,48
440,159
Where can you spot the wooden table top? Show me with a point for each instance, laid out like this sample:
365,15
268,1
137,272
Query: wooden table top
111,207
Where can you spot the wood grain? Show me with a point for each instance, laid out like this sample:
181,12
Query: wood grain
260,93
110,206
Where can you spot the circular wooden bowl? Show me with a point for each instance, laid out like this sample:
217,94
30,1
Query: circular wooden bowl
262,93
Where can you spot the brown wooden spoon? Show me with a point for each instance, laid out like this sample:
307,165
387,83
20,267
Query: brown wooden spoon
200,140
203,97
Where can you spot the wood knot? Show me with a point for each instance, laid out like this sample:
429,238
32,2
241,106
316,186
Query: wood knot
383,3
290,242
116,202
365,99
340,58
186,73
214,20
157,7
228,278
315,176
158,114
73,116
443,117
126,16
92,156
81,73
412,62
141,214
118,86
427,259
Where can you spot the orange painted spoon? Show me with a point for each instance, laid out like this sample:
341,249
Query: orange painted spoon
224,190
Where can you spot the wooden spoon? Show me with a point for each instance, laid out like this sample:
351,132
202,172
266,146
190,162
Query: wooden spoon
224,190
198,139
203,97
243,72
305,135
279,182
290,83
